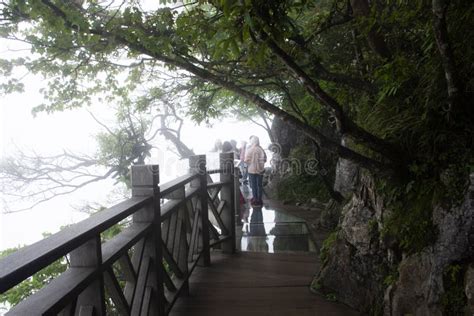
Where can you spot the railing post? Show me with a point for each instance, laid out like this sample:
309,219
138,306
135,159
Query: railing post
89,255
145,179
177,235
237,206
198,164
227,195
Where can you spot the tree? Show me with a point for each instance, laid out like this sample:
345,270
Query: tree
37,178
371,67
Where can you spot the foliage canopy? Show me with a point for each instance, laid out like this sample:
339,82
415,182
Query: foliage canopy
375,70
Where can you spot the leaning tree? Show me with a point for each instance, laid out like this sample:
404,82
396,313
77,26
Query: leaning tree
392,77
30,178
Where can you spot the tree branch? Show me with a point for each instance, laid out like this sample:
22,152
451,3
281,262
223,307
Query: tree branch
445,50
361,8
314,133
344,124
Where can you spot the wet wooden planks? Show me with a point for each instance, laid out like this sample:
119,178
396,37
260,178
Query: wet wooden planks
256,284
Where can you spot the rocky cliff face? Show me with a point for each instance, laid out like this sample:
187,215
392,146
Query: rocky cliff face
364,270
420,287
286,137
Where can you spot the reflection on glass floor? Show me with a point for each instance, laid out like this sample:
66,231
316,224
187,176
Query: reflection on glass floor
267,230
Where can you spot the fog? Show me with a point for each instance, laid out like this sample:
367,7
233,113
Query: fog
74,130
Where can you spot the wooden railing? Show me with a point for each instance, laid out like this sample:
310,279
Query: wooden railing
144,269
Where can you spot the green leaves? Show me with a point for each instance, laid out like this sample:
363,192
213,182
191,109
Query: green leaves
11,86
227,47
32,284
411,223
116,51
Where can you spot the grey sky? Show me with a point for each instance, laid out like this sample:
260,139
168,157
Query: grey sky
74,130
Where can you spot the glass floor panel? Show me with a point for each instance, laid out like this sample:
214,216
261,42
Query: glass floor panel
266,230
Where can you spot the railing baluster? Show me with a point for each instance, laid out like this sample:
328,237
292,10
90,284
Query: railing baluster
227,195
126,266
86,311
177,245
131,285
68,310
173,265
188,215
115,292
197,164
182,251
237,209
193,240
172,231
143,274
145,179
89,255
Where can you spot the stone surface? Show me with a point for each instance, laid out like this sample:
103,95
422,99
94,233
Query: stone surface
356,229
286,137
330,214
360,260
350,276
420,285
357,264
469,289
411,292
346,177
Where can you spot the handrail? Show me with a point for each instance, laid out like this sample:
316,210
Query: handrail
213,171
172,185
176,232
44,252
172,205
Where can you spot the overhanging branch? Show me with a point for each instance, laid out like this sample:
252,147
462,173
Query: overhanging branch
445,50
344,124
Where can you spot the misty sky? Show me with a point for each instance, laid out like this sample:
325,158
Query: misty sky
75,130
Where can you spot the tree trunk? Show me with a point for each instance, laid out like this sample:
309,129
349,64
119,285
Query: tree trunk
377,43
335,195
345,125
445,51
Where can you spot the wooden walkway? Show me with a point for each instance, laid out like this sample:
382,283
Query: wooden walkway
256,284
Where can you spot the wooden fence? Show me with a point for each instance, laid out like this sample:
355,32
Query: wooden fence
170,228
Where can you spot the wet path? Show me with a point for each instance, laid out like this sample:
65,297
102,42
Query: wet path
270,275
272,231
255,283
267,229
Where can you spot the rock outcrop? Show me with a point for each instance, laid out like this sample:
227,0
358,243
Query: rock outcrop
347,176
420,287
368,273
357,263
469,289
286,136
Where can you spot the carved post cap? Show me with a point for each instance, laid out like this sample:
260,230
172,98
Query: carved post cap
145,175
145,179
197,163
226,161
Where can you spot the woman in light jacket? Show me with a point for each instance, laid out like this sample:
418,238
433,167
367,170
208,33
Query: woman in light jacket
255,159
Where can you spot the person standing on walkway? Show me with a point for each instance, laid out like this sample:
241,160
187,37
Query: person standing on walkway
242,164
227,147
255,159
